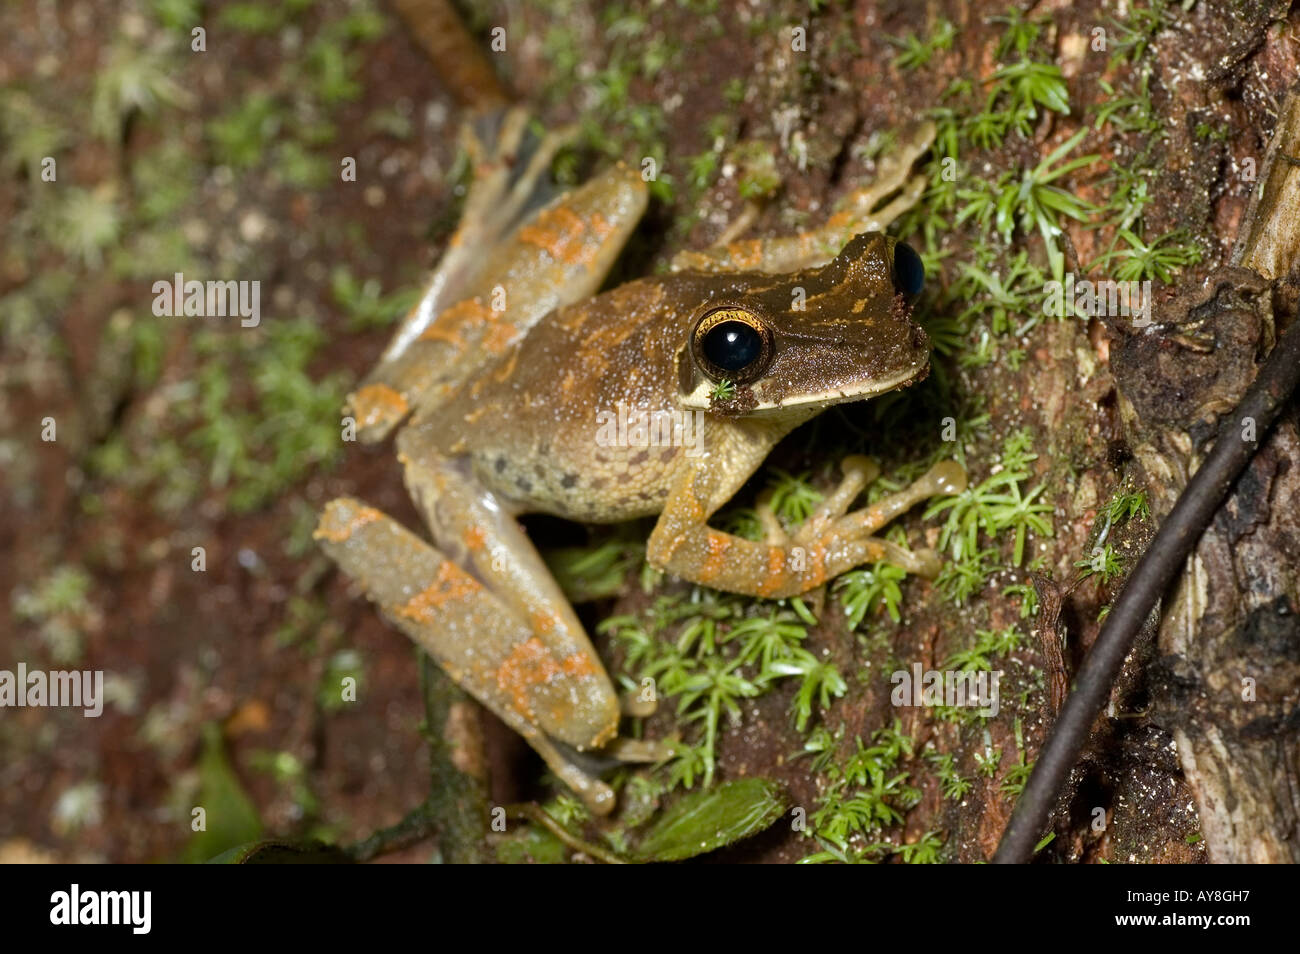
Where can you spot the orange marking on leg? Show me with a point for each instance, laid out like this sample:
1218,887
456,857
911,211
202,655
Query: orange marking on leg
529,664
474,538
661,553
500,335
579,665
453,320
719,544
816,564
336,525
542,622
839,220
746,254
448,336
451,583
775,571
559,231
378,404
691,504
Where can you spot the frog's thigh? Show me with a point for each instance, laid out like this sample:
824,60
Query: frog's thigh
469,523
557,255
474,637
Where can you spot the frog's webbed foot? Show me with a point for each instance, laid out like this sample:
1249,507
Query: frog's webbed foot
510,165
860,211
858,471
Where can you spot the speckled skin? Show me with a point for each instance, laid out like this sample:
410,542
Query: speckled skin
508,406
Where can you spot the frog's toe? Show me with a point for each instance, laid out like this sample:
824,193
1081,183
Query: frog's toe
377,408
927,563
858,471
774,531
639,703
946,478
640,750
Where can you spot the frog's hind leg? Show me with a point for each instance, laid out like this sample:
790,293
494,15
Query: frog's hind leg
860,211
478,529
471,634
520,252
509,176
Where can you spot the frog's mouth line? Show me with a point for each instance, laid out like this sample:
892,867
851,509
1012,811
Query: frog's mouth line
876,387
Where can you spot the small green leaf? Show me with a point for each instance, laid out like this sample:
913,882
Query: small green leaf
707,820
230,816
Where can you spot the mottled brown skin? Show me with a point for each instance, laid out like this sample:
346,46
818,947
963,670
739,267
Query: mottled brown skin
507,412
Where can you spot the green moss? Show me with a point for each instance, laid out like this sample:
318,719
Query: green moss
995,507
916,52
726,648
865,795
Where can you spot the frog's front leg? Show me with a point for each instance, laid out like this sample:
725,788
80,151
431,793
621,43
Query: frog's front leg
860,211
829,543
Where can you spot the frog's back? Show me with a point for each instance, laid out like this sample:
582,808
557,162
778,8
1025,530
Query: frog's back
541,425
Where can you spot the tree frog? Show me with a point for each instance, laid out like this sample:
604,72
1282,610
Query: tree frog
522,390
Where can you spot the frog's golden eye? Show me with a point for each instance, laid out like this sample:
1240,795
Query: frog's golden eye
733,343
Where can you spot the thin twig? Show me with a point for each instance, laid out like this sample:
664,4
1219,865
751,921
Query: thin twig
411,830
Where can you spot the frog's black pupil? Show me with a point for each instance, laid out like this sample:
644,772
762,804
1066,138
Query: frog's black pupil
908,270
732,345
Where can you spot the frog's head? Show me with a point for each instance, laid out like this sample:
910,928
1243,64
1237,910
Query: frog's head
805,341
